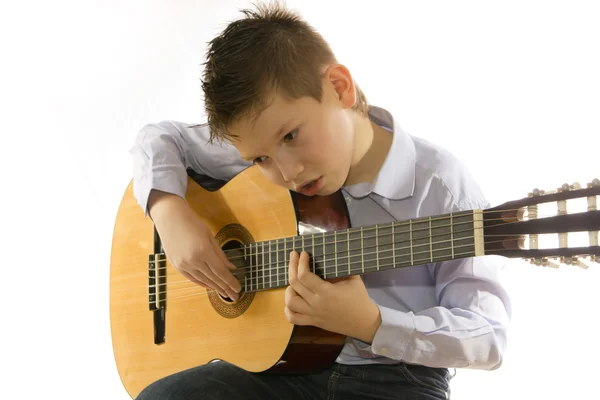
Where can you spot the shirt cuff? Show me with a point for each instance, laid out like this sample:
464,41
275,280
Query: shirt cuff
393,335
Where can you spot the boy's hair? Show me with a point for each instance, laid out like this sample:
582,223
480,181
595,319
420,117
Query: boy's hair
270,49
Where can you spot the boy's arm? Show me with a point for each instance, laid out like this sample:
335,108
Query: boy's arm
163,152
467,330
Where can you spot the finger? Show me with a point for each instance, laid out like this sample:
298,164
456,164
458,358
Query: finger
221,253
207,276
223,286
295,302
311,283
297,318
294,277
196,280
220,269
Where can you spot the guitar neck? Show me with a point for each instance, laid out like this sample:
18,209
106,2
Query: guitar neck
362,250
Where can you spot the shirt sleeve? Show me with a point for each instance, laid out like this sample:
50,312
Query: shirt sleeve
468,328
163,152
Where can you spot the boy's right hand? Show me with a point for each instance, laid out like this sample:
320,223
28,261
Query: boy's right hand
190,246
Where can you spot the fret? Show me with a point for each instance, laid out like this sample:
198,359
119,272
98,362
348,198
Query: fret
430,242
421,241
369,249
385,246
303,248
451,236
463,241
362,253
377,245
263,264
256,265
393,246
270,266
355,250
314,256
440,231
412,262
329,246
349,261
277,257
317,254
294,245
324,257
335,251
245,275
343,249
285,262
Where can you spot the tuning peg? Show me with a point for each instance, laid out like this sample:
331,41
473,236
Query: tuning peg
539,192
593,206
544,262
566,187
574,260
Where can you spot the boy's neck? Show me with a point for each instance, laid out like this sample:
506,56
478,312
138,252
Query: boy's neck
372,144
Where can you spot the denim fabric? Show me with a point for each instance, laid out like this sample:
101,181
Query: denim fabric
221,380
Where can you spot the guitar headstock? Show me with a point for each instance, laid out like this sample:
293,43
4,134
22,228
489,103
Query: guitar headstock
547,228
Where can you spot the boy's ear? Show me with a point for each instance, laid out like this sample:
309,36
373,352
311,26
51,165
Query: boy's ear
339,77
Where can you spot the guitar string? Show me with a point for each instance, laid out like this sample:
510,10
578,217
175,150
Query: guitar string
275,273
207,292
352,271
293,241
426,221
274,267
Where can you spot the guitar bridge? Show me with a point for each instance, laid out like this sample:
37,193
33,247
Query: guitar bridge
157,294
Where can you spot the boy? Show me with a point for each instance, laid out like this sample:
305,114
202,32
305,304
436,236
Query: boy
276,96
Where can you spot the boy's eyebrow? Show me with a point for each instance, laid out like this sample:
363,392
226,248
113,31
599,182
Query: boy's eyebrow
277,134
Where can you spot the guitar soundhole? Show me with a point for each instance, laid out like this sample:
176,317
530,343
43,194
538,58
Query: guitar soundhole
232,237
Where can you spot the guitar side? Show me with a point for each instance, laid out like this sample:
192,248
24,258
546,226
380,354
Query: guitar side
252,332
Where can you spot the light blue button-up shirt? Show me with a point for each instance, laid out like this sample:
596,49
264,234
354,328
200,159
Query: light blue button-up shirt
451,314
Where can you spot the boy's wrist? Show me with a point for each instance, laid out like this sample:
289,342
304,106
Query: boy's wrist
372,322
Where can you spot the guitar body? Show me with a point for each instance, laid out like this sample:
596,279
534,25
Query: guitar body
194,327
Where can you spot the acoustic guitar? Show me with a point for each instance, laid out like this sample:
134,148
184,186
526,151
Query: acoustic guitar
162,323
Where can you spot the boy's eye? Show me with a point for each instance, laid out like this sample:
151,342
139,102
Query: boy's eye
288,137
291,135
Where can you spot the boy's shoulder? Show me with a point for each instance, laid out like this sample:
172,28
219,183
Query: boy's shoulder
217,159
446,174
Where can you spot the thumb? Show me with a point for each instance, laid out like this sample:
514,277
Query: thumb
222,255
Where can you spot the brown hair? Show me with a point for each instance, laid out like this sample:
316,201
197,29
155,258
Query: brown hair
272,48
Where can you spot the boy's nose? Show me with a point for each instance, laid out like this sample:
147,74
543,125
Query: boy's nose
290,169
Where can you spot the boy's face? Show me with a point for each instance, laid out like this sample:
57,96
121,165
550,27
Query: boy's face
303,145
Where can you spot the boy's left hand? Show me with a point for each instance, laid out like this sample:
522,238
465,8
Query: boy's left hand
343,307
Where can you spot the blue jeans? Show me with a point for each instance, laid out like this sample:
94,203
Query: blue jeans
221,380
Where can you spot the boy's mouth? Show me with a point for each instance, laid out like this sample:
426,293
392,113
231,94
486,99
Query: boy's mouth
311,188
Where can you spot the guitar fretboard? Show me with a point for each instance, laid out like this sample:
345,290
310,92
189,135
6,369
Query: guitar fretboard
363,250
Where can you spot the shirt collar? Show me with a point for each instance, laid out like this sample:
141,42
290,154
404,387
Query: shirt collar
396,179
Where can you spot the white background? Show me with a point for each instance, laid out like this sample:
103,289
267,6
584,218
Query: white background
512,87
